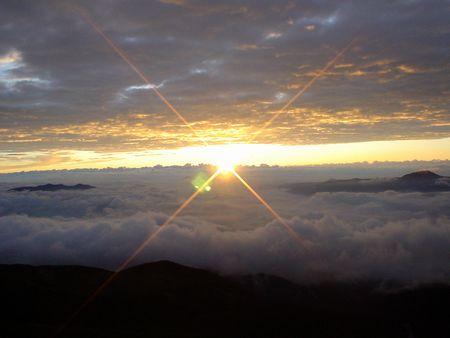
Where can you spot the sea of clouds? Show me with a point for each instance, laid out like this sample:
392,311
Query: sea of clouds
346,236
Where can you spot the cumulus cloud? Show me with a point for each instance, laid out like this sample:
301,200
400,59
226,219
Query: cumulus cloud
348,236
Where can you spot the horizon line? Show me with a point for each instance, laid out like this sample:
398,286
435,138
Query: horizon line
246,166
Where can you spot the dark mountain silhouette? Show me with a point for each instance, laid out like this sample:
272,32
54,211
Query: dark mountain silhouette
165,299
421,175
420,181
53,187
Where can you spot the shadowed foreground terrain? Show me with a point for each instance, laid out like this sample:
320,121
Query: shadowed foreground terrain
164,299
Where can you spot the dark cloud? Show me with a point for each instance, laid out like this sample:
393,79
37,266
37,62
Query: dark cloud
225,65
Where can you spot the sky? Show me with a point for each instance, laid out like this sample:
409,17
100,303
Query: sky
68,100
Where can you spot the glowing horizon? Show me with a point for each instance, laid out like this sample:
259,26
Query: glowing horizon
238,154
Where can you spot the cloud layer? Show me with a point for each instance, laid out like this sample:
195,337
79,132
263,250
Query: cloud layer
348,236
227,65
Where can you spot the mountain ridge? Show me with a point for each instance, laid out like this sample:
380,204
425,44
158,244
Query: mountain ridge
146,300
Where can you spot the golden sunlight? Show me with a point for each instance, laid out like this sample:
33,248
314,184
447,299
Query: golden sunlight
225,167
226,157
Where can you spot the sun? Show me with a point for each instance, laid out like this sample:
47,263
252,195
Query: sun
226,159
225,167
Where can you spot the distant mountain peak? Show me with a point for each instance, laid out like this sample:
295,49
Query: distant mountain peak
421,175
419,181
53,187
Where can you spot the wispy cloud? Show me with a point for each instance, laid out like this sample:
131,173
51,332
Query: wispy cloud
10,64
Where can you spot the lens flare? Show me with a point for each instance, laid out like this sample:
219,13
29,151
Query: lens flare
225,159
304,89
291,231
130,258
121,53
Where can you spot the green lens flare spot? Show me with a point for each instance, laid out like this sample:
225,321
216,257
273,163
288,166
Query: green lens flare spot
199,181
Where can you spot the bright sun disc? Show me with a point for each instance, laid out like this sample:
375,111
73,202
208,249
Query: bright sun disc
225,167
226,158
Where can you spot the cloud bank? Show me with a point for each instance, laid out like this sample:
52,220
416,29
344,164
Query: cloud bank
224,72
349,236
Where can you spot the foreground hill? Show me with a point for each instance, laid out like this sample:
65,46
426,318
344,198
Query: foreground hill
164,299
420,181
